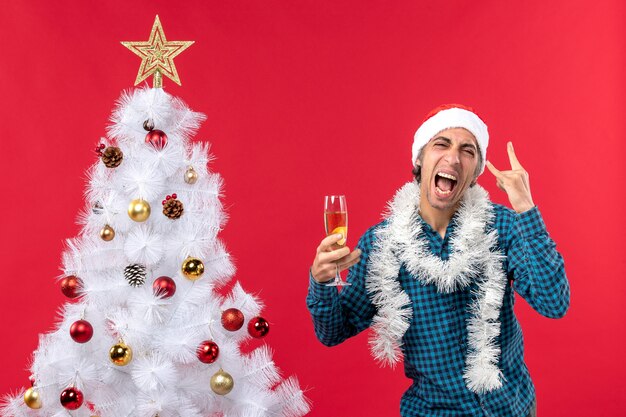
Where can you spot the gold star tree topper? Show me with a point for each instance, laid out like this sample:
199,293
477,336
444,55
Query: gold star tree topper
157,55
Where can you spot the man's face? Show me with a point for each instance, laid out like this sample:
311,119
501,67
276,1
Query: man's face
448,167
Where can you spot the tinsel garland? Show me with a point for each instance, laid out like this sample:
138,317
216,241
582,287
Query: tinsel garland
474,256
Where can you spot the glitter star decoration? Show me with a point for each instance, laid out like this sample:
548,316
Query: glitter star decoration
157,55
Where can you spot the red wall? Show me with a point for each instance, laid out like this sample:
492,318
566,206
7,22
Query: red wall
307,98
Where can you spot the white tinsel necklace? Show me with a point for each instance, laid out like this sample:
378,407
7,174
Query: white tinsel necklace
474,257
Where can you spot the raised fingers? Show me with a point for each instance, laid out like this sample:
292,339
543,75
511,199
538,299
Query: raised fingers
494,170
515,164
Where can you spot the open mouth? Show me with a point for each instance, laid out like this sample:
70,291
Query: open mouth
445,183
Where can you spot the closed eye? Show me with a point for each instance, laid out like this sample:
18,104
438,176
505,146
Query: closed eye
469,149
441,141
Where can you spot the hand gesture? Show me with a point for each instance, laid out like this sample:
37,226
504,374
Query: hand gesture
328,258
514,182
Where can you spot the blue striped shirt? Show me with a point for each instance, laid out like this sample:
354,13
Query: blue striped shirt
435,343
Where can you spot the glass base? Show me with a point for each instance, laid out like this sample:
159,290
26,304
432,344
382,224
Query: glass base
338,283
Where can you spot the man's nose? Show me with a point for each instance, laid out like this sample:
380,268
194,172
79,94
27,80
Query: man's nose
453,156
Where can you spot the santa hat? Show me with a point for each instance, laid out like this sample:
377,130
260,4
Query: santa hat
449,116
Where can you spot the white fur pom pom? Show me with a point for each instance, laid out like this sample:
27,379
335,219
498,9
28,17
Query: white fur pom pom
153,372
144,245
139,179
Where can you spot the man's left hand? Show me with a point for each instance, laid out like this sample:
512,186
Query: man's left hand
514,182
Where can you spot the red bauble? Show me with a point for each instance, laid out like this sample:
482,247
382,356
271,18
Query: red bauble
71,398
164,287
208,351
81,331
232,319
157,138
71,286
258,327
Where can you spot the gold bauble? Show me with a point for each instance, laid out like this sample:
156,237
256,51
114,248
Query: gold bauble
32,399
120,354
191,176
139,210
222,383
107,233
192,268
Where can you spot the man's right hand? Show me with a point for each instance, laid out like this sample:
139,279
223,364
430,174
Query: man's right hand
329,256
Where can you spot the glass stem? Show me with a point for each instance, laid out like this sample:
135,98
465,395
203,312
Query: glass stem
337,275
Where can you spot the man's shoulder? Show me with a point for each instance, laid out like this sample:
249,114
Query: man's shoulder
372,229
369,237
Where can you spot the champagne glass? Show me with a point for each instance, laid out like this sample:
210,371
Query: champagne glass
336,221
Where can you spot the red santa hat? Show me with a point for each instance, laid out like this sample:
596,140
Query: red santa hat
449,116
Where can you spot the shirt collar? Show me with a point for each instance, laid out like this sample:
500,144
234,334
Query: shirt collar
429,231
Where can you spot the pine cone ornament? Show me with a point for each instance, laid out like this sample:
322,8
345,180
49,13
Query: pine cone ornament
172,207
112,157
135,274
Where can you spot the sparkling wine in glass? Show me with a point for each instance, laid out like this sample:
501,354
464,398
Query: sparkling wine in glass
336,221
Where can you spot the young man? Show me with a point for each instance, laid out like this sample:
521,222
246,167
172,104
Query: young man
436,279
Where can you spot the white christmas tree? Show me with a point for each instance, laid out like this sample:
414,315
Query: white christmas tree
147,333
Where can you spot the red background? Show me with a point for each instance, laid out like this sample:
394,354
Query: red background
307,98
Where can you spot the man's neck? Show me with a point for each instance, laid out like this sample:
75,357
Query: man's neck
438,219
